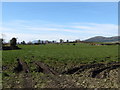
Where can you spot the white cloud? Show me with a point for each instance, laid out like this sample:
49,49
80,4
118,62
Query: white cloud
26,30
31,37
98,28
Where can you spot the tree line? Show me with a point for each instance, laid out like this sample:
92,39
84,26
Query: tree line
12,44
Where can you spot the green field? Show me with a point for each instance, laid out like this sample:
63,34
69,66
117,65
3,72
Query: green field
82,53
60,58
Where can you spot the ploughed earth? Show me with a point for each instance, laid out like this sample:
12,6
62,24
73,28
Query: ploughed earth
37,74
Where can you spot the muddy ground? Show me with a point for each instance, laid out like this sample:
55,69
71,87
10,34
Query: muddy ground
37,74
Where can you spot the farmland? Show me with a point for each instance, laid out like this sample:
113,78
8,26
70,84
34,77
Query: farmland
52,52
60,57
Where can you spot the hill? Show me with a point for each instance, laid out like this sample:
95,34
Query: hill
103,39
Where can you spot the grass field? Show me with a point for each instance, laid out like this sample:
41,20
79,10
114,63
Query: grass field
82,53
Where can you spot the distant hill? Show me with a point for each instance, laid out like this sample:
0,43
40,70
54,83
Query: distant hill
103,39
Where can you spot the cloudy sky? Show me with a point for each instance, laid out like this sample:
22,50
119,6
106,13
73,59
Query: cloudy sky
59,20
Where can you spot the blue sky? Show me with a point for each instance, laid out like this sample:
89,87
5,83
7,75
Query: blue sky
61,20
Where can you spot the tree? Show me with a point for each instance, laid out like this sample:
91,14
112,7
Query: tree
39,41
53,41
13,42
67,41
42,42
23,42
61,41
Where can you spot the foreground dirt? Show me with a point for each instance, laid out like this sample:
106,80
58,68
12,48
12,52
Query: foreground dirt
40,75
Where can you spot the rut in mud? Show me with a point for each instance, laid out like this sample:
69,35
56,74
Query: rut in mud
96,70
40,67
99,70
21,66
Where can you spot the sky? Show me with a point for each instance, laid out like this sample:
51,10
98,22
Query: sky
58,20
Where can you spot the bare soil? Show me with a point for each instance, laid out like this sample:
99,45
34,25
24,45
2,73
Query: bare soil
99,75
